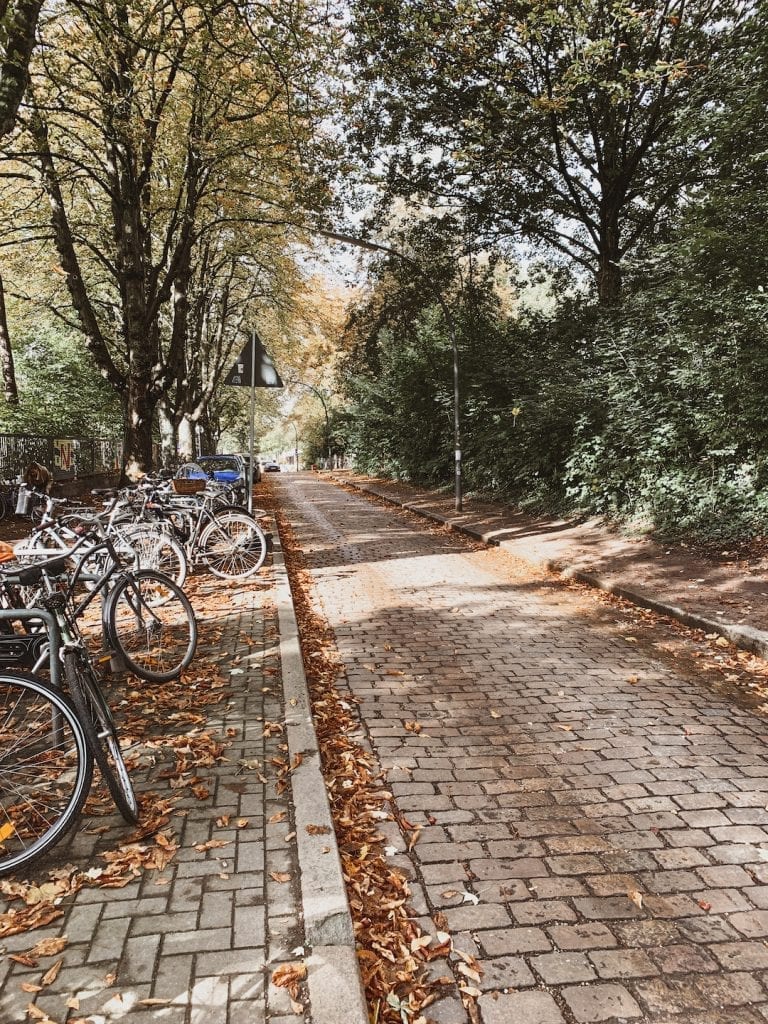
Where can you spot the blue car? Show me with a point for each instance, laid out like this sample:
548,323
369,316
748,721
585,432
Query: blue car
225,469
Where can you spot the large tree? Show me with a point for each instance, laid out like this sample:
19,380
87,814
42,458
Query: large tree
151,128
576,124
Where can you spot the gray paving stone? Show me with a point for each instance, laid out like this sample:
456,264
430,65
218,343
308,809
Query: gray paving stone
531,1007
601,1002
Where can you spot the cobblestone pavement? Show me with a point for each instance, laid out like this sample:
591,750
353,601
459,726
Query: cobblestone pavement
199,939
594,825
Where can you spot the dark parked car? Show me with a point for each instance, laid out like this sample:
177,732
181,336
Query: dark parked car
256,467
271,467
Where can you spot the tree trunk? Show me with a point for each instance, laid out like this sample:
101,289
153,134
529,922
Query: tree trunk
17,29
186,435
167,436
609,266
6,355
138,410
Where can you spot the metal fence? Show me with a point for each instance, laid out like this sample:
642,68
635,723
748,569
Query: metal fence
66,457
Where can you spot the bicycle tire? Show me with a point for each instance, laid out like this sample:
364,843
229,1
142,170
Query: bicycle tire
151,625
3,506
100,732
37,508
158,550
233,546
32,712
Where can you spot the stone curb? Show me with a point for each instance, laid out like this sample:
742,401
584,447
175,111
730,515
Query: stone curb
333,974
746,637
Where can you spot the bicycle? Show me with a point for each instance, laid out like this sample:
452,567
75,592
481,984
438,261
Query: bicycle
147,622
228,541
146,547
49,740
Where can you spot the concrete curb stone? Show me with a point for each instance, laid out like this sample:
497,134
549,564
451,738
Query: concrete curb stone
745,637
333,975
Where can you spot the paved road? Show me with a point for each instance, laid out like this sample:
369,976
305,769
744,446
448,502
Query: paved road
559,768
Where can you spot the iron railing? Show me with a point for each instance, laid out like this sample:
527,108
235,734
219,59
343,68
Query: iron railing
66,457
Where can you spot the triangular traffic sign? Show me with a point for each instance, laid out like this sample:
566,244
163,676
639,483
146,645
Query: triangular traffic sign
266,375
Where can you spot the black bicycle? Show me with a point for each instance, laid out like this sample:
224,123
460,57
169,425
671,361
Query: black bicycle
147,623
50,739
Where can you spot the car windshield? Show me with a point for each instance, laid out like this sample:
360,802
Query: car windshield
190,470
218,463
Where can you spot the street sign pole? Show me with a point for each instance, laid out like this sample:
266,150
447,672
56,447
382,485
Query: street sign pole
253,421
262,376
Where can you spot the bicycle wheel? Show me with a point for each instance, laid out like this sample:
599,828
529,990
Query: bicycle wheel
234,546
45,768
99,728
151,625
158,550
3,506
37,508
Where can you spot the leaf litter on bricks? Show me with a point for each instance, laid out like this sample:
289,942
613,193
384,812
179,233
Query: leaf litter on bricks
163,727
393,950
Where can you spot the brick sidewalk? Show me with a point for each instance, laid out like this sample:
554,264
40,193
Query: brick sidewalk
722,595
593,823
196,942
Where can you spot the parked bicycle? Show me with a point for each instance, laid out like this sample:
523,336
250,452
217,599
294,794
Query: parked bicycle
146,622
50,739
228,541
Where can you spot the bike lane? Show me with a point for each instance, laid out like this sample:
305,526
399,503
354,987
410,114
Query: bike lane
592,823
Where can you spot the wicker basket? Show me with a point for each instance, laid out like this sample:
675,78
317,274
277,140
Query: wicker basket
188,486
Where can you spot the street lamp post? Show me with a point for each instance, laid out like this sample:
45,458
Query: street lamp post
450,324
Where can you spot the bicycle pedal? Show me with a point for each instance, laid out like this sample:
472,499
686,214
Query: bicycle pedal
117,663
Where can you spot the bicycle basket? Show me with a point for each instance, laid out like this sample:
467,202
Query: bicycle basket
188,486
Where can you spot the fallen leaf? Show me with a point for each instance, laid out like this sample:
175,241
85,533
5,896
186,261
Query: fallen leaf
317,830
51,974
636,897
289,976
49,947
212,844
280,876
565,728
704,905
470,897
495,714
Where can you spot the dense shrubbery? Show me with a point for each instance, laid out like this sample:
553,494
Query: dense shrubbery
654,411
